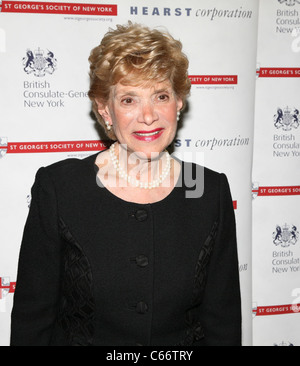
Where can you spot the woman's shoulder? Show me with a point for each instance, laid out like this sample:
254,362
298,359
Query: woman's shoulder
69,168
208,173
203,178
72,162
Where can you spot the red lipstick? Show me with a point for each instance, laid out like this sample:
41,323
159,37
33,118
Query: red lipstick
148,136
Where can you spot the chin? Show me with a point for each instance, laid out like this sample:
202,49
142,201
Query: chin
145,150
152,150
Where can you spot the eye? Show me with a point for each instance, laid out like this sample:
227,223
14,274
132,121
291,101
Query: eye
163,97
127,101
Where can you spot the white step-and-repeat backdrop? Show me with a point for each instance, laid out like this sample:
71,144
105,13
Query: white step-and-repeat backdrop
276,176
45,116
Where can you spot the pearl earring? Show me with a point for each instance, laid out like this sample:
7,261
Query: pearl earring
178,116
108,126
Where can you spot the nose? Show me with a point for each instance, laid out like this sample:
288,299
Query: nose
147,114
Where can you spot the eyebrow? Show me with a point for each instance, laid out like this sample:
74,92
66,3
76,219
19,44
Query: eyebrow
164,90
129,93
134,94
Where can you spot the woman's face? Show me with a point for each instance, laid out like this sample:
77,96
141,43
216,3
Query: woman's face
143,118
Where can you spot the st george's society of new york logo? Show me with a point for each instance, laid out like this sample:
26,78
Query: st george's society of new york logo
4,287
39,62
3,146
286,119
289,2
285,235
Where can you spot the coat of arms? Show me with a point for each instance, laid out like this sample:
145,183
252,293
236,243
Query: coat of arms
284,344
286,119
289,2
38,63
285,235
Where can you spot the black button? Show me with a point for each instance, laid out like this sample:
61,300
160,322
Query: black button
141,308
142,261
141,215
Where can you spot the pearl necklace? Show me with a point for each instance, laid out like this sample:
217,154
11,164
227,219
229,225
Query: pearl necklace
137,183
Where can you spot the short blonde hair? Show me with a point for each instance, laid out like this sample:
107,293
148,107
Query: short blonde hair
134,54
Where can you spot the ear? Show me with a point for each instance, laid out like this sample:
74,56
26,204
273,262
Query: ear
179,104
104,112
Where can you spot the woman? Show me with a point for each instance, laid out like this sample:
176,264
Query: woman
131,260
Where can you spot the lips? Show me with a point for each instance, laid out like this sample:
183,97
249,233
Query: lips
148,136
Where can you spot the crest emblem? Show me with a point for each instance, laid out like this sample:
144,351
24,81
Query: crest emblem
286,119
254,309
289,2
255,190
38,63
258,68
284,344
3,146
4,287
285,236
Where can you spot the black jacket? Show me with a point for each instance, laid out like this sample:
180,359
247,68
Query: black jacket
97,270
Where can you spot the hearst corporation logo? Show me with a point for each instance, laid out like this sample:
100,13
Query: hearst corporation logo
289,2
286,119
39,63
285,235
